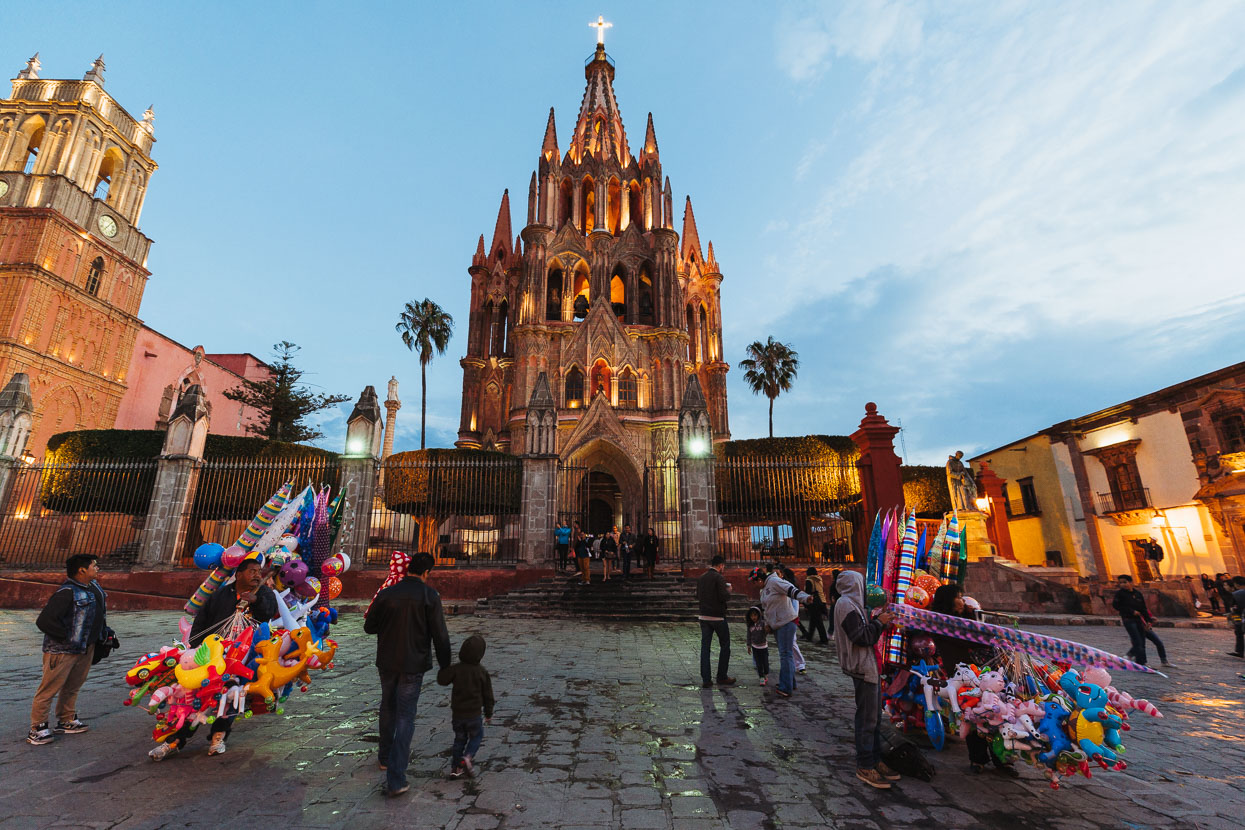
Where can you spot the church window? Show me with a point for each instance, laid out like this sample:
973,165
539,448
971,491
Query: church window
579,307
500,332
34,131
1232,433
702,342
658,391
566,202
574,388
646,298
553,299
108,170
486,327
637,202
590,204
94,275
613,215
626,389
691,334
618,294
601,377
1125,482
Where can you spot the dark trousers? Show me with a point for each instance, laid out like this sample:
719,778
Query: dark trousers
707,630
1239,628
760,659
626,563
1138,634
399,697
817,624
979,749
468,733
181,736
868,723
563,556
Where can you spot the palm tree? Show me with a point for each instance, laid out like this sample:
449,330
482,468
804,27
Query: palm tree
424,326
770,368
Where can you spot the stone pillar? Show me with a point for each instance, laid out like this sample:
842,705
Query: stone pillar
17,413
698,497
881,480
539,504
359,473
996,523
392,405
177,479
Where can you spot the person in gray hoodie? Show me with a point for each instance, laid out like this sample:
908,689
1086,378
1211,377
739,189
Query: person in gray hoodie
855,634
780,615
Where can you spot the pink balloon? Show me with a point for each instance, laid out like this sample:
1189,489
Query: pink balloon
309,588
233,556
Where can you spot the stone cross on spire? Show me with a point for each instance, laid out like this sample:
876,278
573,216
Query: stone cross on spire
600,26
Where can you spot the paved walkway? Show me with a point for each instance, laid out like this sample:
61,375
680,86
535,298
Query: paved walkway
597,726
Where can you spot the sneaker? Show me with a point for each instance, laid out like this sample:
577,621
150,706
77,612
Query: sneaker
873,779
726,681
456,771
468,768
39,735
764,680
71,727
163,751
393,793
800,671
886,772
1168,665
217,746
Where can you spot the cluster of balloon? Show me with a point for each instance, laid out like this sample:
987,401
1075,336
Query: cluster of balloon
332,569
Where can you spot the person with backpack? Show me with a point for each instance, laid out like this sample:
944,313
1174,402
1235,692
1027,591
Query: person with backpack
74,623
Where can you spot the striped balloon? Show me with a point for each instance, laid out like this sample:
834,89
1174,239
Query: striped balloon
935,552
263,519
903,580
208,587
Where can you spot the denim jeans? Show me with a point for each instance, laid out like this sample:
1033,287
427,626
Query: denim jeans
868,723
786,665
1138,634
467,736
626,563
707,630
399,696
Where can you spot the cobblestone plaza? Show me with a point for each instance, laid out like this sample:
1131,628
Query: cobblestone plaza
598,726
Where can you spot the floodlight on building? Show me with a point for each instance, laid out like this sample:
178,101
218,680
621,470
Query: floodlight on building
698,447
983,504
354,446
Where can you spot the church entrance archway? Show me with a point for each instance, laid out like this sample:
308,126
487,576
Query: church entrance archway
605,506
599,487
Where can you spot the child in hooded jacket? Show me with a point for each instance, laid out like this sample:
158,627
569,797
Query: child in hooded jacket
758,642
472,692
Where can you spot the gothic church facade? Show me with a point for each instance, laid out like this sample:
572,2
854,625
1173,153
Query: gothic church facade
602,296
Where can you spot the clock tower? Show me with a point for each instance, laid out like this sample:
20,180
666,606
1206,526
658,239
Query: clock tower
74,169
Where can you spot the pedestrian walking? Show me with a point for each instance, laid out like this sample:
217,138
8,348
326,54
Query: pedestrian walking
652,549
834,596
583,555
1138,621
758,642
74,622
713,593
409,625
471,704
609,551
1212,593
1237,615
626,549
817,606
856,633
776,596
562,544
246,593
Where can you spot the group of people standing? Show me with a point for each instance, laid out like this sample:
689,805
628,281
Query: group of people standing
613,549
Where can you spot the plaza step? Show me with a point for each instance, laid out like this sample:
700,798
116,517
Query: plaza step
666,598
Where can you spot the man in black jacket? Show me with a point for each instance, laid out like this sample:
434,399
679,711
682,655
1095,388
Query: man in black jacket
408,622
1138,621
712,594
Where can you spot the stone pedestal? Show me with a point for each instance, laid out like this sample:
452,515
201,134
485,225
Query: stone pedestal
358,482
881,479
539,509
975,534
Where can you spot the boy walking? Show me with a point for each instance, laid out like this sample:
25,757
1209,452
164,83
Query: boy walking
472,692
855,634
72,622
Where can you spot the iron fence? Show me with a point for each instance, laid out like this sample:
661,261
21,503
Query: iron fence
662,509
791,510
229,492
48,512
464,511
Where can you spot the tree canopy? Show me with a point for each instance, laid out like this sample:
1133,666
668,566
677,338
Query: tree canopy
283,402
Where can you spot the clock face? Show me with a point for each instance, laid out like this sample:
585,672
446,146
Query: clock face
4,188
107,226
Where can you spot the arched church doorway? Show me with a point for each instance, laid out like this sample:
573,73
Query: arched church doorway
604,502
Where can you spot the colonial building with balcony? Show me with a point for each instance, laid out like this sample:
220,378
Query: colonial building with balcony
1169,467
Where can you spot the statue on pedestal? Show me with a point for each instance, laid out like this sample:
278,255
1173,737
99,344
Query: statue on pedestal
961,483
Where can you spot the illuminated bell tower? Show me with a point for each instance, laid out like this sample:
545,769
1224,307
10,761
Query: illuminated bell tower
74,170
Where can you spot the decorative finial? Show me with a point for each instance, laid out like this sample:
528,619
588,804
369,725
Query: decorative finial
600,26
148,118
31,72
96,72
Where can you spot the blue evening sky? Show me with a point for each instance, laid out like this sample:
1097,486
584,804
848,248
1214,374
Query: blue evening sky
985,216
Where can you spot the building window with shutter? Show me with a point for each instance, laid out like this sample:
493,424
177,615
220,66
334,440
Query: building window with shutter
94,276
1028,496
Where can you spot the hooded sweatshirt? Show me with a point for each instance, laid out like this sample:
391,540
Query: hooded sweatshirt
757,635
473,689
776,596
855,632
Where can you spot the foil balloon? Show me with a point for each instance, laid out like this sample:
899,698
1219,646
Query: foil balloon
917,596
875,597
309,588
232,556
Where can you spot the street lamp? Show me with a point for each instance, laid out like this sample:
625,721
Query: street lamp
983,504
697,447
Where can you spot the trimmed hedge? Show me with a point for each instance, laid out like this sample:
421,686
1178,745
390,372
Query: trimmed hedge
925,491
837,448
133,444
801,474
460,482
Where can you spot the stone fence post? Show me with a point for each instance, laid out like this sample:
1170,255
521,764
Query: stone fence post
360,469
539,496
698,497
881,480
177,479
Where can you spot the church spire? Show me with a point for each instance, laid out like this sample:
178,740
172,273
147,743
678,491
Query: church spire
650,142
599,123
549,149
691,239
31,72
501,231
480,256
96,72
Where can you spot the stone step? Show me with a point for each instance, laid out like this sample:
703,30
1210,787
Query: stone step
667,598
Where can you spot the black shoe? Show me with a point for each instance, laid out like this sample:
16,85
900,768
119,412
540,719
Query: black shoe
726,681
1235,654
706,685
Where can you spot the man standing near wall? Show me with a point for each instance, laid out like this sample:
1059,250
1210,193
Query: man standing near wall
712,594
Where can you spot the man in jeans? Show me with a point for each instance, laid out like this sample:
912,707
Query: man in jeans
72,622
1137,620
781,616
408,622
1234,614
712,594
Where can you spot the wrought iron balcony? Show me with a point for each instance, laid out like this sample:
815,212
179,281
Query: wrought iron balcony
1122,501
